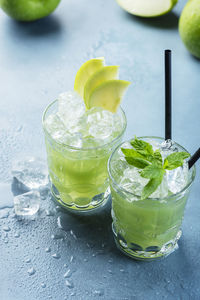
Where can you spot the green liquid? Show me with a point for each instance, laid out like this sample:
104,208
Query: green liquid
78,175
147,223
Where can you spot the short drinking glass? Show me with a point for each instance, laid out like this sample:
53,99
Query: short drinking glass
79,177
145,229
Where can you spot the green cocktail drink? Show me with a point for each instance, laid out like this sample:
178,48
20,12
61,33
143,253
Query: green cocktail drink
148,228
82,128
78,163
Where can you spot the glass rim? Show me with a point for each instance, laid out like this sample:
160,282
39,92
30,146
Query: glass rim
83,148
121,189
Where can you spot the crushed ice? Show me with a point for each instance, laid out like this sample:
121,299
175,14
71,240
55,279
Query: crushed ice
129,177
74,126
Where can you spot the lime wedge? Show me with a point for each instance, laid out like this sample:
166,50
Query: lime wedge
147,8
103,74
108,94
85,71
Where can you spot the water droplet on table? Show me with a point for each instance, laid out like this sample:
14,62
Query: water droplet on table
31,271
48,249
58,208
68,274
73,294
49,213
73,234
19,128
59,222
28,260
69,284
17,235
55,255
57,236
98,292
43,285
6,228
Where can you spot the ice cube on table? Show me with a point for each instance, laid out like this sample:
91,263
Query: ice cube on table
27,204
32,172
71,109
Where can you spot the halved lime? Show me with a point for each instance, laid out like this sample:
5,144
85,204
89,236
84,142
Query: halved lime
103,74
147,8
85,71
108,94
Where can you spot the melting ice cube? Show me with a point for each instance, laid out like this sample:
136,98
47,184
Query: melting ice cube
27,204
32,172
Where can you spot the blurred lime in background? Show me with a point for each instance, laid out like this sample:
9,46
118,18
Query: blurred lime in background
28,10
189,26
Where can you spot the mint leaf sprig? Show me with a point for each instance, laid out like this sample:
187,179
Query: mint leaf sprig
151,163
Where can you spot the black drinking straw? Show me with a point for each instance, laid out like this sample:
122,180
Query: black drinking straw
168,106
194,158
168,96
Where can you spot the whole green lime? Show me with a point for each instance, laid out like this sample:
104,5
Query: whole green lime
189,26
28,10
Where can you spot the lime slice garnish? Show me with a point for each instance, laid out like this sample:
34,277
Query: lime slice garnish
85,71
103,74
108,95
147,8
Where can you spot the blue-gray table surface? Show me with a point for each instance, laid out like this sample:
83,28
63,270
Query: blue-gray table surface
37,62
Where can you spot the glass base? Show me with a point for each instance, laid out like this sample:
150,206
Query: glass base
84,204
152,253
